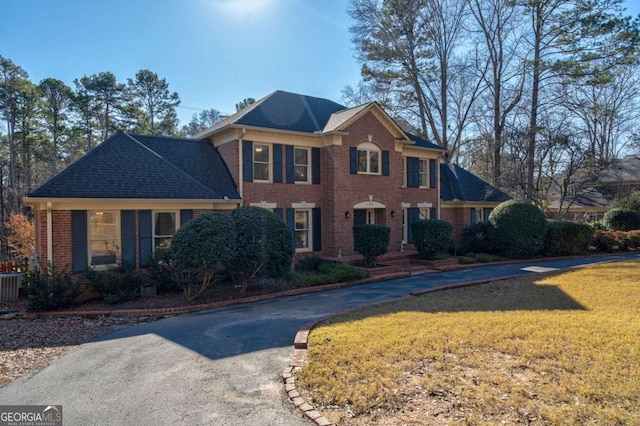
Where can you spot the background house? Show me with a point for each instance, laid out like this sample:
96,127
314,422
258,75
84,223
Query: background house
320,166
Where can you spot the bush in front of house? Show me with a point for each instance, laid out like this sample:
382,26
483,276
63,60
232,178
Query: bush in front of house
621,220
475,238
116,285
161,270
517,229
603,241
566,238
50,290
431,236
372,241
263,246
200,251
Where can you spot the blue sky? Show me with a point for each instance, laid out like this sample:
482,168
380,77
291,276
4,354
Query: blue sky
214,53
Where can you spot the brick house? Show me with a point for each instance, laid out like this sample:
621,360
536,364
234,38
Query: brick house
320,166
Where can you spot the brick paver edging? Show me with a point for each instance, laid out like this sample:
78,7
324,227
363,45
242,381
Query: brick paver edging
213,305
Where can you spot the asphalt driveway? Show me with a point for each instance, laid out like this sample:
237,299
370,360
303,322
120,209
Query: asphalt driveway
216,367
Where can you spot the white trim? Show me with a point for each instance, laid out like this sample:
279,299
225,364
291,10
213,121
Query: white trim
369,205
303,205
425,205
308,230
264,205
405,205
269,163
153,225
308,165
49,234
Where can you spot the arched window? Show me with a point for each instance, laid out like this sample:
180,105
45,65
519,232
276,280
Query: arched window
368,159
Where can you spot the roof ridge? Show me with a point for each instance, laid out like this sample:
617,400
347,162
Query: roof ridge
173,166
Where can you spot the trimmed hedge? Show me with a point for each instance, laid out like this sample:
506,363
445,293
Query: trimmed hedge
565,238
621,220
517,229
115,285
431,236
475,238
50,289
372,241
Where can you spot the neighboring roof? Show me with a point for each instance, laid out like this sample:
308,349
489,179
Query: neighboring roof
584,198
129,165
457,184
622,171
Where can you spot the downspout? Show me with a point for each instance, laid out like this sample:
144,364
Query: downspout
241,165
49,234
439,203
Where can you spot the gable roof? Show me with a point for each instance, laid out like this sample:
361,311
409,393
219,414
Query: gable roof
457,184
423,143
129,165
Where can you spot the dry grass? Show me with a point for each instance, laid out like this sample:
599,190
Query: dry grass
559,348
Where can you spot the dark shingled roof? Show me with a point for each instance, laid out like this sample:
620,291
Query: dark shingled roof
423,143
458,184
291,111
129,165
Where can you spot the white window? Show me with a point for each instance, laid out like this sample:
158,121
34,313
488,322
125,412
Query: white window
303,230
164,226
423,213
261,163
423,173
368,159
103,238
301,165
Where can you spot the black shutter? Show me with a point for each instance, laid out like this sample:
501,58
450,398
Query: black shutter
145,237
316,220
413,215
385,163
277,163
278,212
290,164
185,216
247,161
291,223
128,234
433,214
473,215
487,212
353,160
413,172
315,165
78,241
432,173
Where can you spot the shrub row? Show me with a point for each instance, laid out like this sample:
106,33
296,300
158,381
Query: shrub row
329,273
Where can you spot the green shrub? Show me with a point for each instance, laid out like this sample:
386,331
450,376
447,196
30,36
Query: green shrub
476,237
161,270
200,251
621,220
596,225
50,290
263,246
604,242
431,236
565,238
115,285
517,229
372,241
329,273
308,264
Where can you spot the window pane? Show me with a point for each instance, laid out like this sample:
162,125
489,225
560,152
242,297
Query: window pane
103,252
261,153
301,173
374,162
162,242
302,220
260,171
424,213
165,223
301,156
302,239
362,161
423,166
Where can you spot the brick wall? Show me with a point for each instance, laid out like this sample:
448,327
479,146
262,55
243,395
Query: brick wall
61,239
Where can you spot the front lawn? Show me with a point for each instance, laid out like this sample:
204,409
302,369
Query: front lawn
557,348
